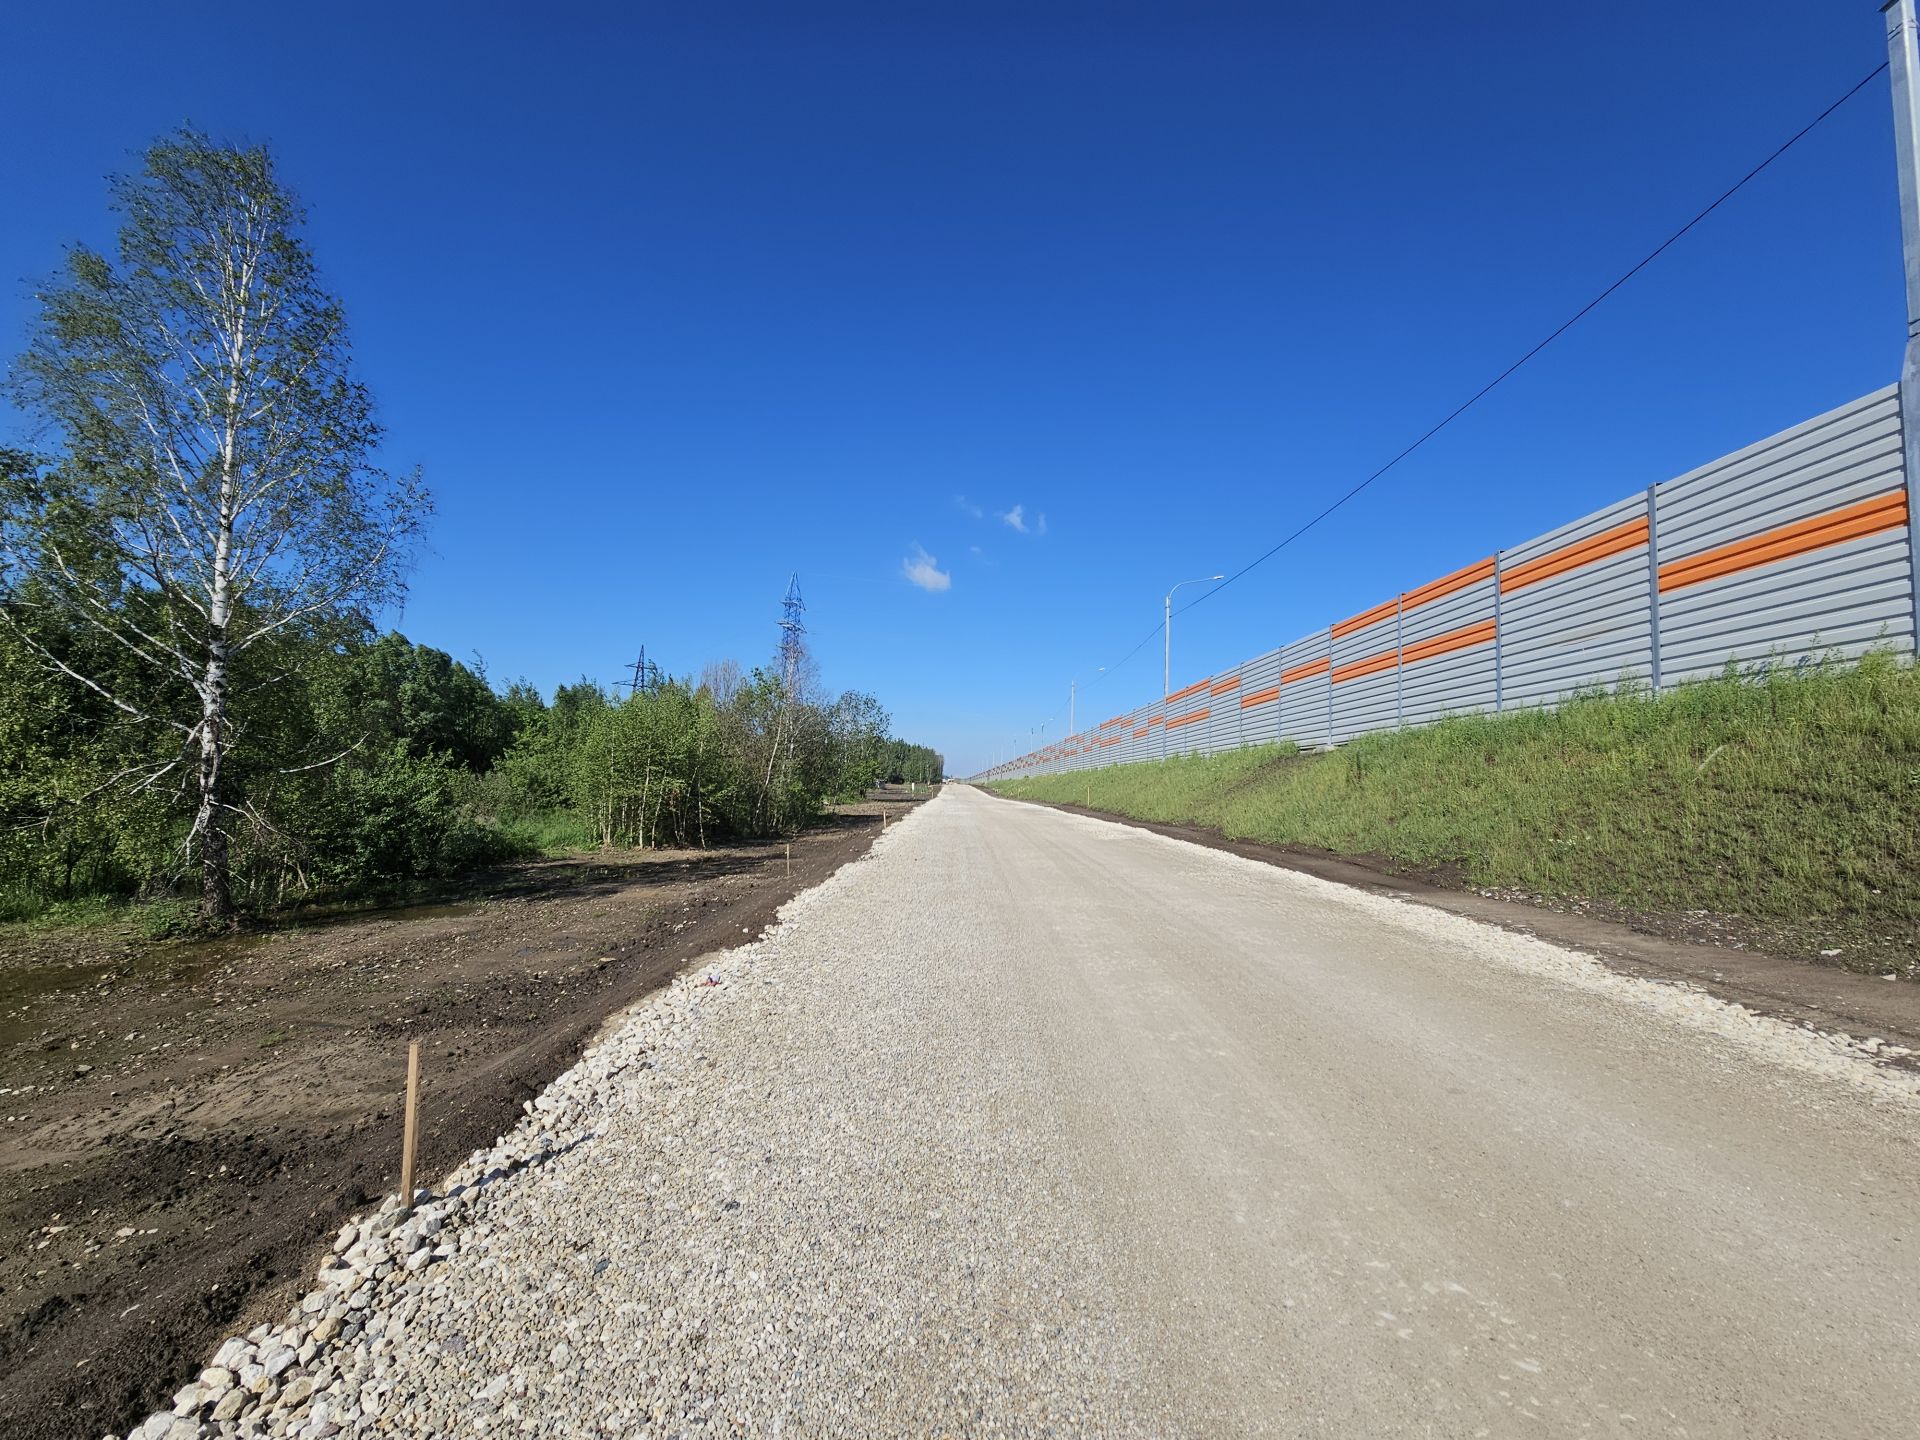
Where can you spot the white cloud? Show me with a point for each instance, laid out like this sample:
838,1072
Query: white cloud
1016,517
924,570
1042,528
967,507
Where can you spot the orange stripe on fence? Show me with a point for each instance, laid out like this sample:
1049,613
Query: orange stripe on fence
1849,522
1476,634
1616,541
1193,689
1141,731
1225,685
1259,697
1447,584
1366,618
1194,718
1302,672
1385,660
1113,740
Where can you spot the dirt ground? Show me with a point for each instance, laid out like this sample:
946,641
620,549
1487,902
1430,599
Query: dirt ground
184,1125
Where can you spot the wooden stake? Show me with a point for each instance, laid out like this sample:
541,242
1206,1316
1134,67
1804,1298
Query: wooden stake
789,857
411,1133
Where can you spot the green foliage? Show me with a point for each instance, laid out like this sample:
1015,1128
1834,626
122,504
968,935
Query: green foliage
169,920
373,763
217,503
192,692
684,764
1791,798
394,816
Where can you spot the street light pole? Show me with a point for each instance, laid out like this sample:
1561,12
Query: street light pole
1166,626
1903,75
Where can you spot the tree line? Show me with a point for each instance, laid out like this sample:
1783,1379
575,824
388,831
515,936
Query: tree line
194,690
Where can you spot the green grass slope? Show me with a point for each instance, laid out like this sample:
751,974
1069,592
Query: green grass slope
1789,800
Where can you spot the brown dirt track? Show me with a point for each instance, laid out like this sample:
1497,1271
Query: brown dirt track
182,1126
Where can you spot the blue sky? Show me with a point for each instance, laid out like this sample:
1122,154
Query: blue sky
671,301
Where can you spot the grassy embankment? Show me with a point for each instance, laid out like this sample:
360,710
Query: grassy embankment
1788,801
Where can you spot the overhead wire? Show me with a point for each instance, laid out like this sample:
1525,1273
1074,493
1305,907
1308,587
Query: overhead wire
1508,372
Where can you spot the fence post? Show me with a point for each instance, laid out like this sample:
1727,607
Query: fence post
410,1127
1903,75
1399,662
1499,565
1653,582
1330,738
1279,699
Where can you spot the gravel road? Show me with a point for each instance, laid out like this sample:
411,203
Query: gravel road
1032,1125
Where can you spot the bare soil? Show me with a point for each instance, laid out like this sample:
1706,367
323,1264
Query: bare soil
184,1125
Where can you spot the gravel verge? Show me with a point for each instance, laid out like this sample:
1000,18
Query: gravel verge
728,1218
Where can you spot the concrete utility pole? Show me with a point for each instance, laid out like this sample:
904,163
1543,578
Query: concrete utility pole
1166,626
1903,74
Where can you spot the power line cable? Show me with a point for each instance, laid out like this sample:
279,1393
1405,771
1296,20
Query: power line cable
1494,383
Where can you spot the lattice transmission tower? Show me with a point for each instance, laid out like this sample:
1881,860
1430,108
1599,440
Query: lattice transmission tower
793,650
646,675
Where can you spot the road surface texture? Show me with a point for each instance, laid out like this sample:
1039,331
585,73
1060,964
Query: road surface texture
1034,1125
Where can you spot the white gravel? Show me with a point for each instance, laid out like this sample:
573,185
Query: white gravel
1031,1125
728,1218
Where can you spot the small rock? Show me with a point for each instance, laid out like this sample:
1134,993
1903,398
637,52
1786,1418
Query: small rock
297,1391
231,1404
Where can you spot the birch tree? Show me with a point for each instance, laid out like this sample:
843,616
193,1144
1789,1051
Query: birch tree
218,488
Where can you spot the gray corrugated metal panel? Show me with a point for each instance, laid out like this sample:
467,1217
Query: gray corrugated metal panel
1464,607
1368,703
1303,712
1305,700
1419,677
1460,680
1262,669
1846,598
1260,723
1596,666
1470,699
1618,513
1223,730
1802,496
1367,640
1561,630
1623,575
1296,658
1437,710
1848,453
1588,627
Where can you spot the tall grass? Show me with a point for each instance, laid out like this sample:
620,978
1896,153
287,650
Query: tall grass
1791,798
